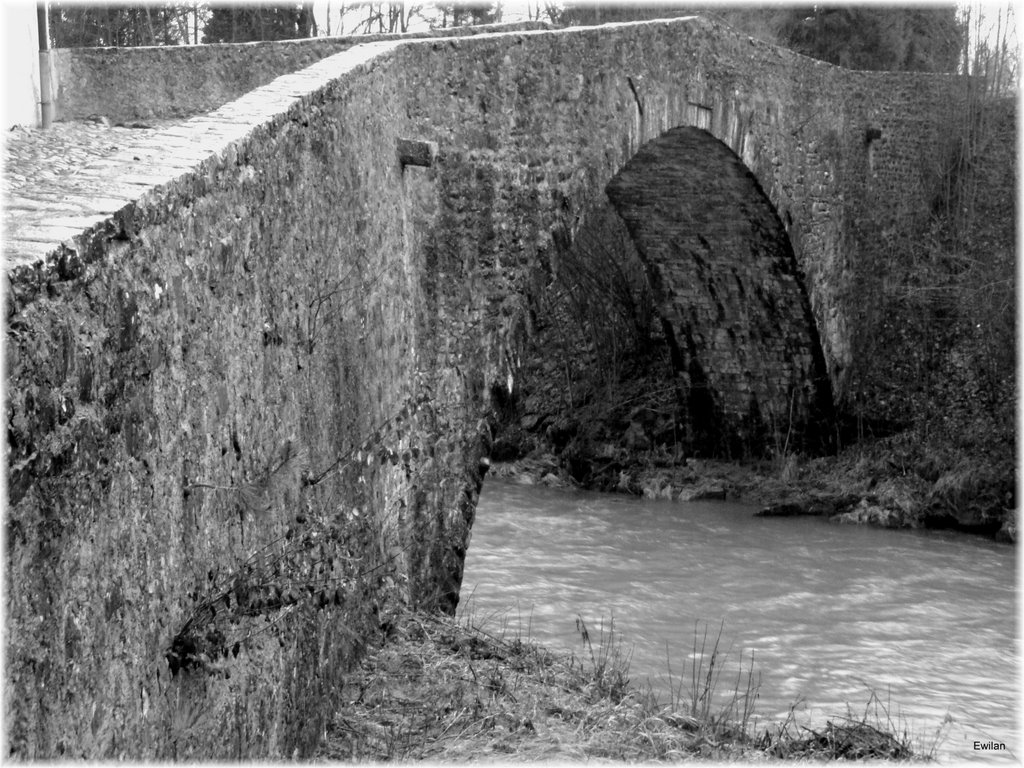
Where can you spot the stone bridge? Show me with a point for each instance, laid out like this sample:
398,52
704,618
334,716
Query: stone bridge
251,356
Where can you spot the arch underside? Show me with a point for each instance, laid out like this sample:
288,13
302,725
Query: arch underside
745,354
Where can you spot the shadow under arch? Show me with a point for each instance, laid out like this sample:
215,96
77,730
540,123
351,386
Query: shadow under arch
730,296
736,339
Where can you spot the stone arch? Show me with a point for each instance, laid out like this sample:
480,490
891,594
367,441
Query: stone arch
517,182
745,356
730,296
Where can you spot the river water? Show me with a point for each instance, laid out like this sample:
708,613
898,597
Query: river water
830,613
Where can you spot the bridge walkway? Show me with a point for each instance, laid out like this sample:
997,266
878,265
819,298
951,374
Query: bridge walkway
54,176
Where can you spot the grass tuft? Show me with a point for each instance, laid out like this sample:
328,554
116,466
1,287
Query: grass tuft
452,690
871,736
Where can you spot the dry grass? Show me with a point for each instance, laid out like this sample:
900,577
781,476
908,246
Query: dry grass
449,690
870,736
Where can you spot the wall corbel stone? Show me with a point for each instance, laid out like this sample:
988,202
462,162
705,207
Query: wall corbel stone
416,152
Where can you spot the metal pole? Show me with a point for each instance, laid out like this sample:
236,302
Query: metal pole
45,68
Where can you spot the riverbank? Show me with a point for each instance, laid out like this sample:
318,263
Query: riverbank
943,459
896,482
452,690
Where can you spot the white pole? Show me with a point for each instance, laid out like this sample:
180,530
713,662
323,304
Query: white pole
45,66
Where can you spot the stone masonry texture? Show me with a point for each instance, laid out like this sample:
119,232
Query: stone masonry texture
250,356
730,295
159,82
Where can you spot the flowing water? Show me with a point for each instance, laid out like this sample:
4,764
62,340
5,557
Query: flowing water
831,613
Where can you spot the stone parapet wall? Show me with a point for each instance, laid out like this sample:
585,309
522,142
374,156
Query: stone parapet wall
224,469
158,82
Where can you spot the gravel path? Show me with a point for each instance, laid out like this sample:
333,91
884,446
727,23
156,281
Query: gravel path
53,180
37,161
64,181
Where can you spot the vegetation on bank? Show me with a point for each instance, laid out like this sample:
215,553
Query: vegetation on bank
604,416
449,689
900,481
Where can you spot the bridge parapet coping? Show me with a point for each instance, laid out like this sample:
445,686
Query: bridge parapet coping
46,214
42,217
126,84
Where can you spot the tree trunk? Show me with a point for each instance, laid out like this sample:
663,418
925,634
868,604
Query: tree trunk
149,26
